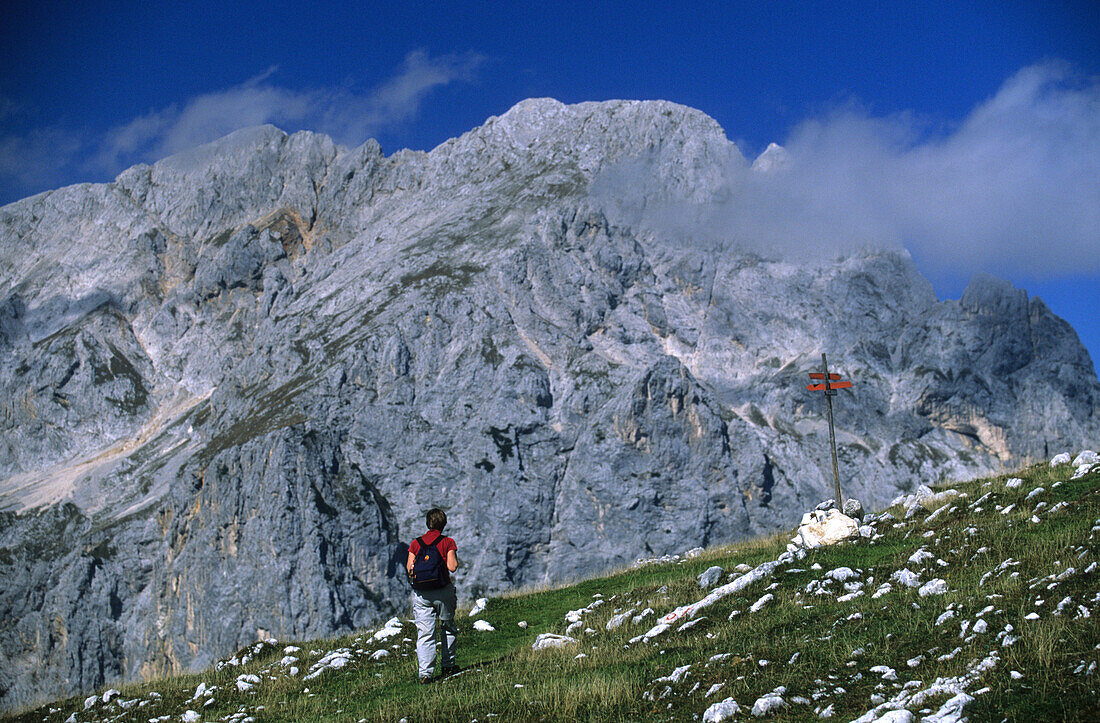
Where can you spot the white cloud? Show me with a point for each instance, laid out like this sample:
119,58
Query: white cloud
46,157
1014,189
349,117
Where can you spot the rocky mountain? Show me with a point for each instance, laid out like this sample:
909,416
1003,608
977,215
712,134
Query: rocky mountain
233,381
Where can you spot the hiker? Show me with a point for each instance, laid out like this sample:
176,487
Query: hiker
431,561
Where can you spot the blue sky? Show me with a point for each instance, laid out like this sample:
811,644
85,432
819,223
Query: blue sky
981,120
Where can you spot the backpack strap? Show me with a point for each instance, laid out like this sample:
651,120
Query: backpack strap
434,543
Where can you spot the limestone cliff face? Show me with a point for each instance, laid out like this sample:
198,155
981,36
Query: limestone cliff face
232,382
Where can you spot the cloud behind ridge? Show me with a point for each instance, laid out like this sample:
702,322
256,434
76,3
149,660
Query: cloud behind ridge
1013,189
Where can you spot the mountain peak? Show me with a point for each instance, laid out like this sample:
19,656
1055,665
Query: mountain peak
774,158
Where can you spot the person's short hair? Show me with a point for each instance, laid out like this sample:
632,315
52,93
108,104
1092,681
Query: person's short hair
436,519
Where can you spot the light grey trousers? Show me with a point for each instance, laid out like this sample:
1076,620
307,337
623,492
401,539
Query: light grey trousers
427,606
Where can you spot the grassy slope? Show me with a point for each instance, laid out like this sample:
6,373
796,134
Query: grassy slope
615,679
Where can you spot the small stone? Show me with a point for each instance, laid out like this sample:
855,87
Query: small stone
710,577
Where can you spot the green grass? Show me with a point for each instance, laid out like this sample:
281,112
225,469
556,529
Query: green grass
819,649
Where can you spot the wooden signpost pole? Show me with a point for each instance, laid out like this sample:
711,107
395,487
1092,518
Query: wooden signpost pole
829,384
829,394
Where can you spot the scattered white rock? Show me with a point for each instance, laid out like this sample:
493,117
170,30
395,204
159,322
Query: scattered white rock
1087,457
690,624
330,661
550,640
920,556
842,574
391,629
676,676
713,689
951,711
895,716
933,587
190,717
722,711
479,607
710,577
906,577
1058,459
768,704
1083,470
759,604
1013,483
483,626
617,620
247,682
760,572
925,498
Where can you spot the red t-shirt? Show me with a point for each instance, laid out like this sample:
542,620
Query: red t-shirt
445,545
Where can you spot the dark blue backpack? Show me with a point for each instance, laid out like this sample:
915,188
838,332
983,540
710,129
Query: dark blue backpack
429,570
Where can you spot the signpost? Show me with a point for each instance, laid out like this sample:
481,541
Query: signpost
829,384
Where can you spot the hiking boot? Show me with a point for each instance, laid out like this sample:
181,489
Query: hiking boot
451,670
425,680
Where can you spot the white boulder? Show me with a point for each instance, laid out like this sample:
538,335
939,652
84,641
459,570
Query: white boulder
822,528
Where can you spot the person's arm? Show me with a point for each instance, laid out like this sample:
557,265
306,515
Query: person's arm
452,560
410,561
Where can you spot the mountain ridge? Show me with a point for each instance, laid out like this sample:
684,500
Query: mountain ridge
266,357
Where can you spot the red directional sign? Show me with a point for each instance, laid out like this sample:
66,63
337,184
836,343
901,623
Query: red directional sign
821,375
832,385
